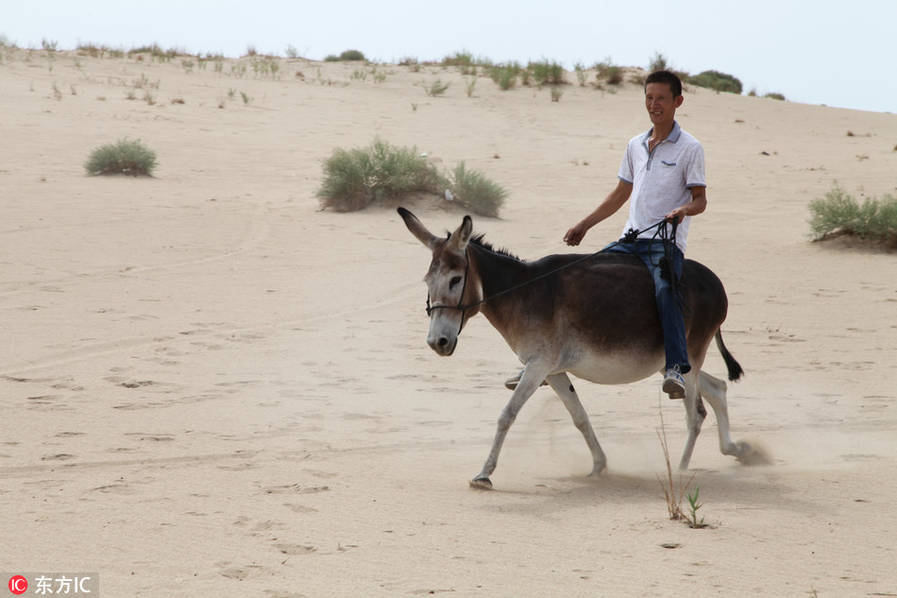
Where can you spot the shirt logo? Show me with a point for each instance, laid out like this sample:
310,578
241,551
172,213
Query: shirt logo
668,163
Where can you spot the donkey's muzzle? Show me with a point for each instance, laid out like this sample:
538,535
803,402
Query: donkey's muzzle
443,345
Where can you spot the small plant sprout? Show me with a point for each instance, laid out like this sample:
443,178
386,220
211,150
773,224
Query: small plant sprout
693,505
246,98
556,93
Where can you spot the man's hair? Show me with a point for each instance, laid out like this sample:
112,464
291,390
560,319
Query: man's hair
667,77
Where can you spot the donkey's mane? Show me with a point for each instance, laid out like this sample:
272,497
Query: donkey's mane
480,241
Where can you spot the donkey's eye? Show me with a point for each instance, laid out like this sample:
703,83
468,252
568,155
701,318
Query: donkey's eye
455,280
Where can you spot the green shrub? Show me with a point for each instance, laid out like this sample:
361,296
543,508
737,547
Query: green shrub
463,58
547,73
716,80
125,157
475,192
331,58
839,213
581,74
607,70
351,55
774,96
505,75
658,63
355,178
436,88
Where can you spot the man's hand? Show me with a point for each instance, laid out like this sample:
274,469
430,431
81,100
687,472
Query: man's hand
677,215
575,234
697,205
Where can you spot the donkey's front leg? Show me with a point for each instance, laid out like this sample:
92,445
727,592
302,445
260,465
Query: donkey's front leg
532,377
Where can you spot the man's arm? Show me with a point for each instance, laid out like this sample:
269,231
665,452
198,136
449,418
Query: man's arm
697,205
613,202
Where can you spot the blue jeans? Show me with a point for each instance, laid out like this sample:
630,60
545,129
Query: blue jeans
650,251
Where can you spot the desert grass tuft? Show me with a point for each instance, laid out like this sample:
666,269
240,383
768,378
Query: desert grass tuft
658,63
717,81
505,75
774,96
476,192
839,213
581,74
436,88
124,157
358,177
547,72
469,86
673,492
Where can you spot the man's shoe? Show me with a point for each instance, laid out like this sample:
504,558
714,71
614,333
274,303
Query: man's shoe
674,383
512,382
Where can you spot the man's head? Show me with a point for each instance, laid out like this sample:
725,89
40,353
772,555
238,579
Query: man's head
663,94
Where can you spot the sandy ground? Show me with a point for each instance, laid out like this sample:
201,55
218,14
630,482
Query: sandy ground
210,387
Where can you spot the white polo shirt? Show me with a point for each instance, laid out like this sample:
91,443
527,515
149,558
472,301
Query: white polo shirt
662,179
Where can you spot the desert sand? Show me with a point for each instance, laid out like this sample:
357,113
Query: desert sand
210,387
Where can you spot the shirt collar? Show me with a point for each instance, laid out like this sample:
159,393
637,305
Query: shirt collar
673,137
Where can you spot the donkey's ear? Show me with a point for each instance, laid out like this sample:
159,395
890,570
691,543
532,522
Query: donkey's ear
417,228
461,236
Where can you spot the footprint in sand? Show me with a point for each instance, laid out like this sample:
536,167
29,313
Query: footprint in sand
299,508
295,489
294,549
58,457
240,573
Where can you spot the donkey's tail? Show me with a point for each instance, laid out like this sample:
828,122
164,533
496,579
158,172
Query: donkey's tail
734,367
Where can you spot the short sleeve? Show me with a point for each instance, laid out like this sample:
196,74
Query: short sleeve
694,169
626,174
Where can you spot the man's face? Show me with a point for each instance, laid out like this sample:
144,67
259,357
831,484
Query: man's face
661,104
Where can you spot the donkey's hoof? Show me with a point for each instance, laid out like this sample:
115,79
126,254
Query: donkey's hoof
752,454
481,483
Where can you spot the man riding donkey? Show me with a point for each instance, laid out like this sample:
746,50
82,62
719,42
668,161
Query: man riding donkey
662,173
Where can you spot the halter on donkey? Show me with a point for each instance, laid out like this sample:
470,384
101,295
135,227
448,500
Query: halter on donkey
591,316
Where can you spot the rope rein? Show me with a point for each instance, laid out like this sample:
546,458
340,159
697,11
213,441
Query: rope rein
667,237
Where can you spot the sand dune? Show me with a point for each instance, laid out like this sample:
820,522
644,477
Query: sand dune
210,386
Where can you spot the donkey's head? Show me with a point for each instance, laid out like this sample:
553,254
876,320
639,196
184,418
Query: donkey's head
453,295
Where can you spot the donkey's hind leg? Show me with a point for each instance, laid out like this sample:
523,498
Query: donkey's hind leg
714,390
694,415
564,389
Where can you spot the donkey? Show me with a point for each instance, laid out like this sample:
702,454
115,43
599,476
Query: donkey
590,316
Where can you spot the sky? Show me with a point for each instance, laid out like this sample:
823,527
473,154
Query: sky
837,53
